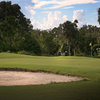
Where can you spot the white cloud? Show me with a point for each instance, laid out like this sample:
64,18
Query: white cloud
60,3
34,1
53,21
58,15
46,12
50,21
68,7
65,17
44,20
30,10
41,3
31,18
80,16
80,24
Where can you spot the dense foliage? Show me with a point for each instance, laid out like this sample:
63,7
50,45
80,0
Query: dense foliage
9,9
17,35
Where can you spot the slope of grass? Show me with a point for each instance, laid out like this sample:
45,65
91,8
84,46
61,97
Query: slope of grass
79,66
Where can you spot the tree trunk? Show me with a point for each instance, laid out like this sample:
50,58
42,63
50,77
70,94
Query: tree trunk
74,51
69,50
10,46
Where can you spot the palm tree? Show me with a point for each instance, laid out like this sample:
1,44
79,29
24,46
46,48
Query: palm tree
70,32
99,15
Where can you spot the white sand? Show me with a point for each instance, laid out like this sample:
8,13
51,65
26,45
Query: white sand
10,78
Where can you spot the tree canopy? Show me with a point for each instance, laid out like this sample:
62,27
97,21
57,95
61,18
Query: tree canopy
10,29
9,9
17,35
71,33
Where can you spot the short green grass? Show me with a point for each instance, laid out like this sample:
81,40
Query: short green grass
79,66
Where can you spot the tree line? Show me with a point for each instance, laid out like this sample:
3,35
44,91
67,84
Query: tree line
17,35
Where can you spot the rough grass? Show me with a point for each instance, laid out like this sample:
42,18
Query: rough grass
79,66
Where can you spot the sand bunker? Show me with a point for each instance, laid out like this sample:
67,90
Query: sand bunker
10,78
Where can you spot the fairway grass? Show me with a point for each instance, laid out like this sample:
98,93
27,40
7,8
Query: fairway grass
67,65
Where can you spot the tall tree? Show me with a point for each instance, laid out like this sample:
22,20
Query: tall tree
31,45
10,30
89,34
48,42
75,40
59,37
70,32
99,15
99,28
9,9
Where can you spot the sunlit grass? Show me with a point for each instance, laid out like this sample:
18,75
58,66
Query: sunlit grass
79,66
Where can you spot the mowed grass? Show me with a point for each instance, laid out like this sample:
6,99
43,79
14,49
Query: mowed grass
78,66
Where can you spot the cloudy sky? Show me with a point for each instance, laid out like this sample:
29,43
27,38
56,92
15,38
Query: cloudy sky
46,14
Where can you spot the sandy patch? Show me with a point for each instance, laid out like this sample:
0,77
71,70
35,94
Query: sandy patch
10,78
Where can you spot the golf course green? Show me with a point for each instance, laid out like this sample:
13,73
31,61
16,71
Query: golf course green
85,67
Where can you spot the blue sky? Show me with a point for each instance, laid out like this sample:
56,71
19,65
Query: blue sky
46,14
